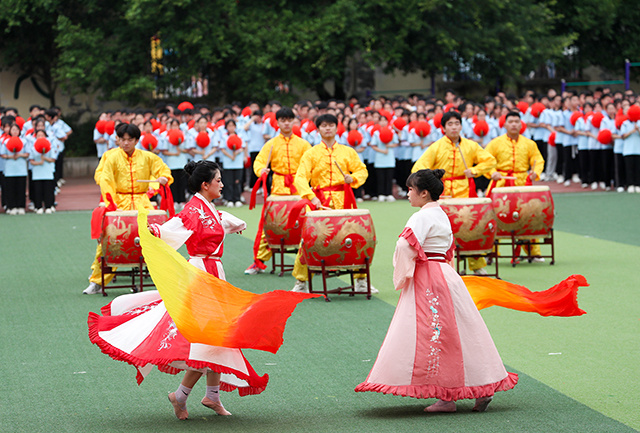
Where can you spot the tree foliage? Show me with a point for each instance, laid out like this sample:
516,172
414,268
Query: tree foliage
244,47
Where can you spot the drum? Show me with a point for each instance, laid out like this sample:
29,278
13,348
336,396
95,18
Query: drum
527,211
276,213
120,241
342,238
473,223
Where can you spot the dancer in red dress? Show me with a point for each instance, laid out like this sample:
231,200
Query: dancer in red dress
437,345
137,328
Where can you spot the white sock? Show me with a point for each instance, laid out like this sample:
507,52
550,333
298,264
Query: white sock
213,393
182,393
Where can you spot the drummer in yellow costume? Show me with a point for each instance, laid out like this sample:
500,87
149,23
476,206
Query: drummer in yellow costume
283,153
518,157
321,176
461,159
118,174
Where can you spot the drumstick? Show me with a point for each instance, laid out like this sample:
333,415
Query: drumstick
462,156
146,181
341,172
509,177
533,168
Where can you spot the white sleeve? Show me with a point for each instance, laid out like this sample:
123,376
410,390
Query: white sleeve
174,233
232,224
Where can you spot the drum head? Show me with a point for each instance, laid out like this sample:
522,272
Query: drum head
284,198
512,189
337,212
464,201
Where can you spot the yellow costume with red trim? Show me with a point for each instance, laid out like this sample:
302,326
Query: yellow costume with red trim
318,170
118,174
515,158
444,154
283,155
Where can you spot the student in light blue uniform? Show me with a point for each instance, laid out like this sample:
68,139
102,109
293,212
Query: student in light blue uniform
352,125
619,175
631,152
557,121
581,129
595,151
608,122
233,165
43,168
61,131
384,162
15,174
403,155
255,140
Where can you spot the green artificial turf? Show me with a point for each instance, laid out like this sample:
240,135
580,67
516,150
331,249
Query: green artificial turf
576,374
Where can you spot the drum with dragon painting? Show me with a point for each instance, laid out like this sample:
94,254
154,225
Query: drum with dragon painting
473,223
276,213
344,239
527,211
120,241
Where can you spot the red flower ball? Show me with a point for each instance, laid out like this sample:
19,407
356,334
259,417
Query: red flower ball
341,129
552,139
523,128
185,105
399,123
14,144
574,117
176,137
437,120
354,138
634,113
596,119
109,127
246,112
423,128
100,125
234,142
481,129
620,118
42,145
537,108
149,142
522,106
203,140
296,130
19,122
191,122
502,120
386,135
605,137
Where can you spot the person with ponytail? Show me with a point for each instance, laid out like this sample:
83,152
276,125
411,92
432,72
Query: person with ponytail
437,345
202,228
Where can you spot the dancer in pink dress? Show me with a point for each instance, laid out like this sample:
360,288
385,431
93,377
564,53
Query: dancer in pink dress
437,345
137,328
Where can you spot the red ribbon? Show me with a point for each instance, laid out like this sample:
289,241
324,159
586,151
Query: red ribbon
166,203
98,215
254,191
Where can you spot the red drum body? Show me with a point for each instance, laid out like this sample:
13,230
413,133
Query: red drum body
120,241
276,214
473,223
343,239
527,211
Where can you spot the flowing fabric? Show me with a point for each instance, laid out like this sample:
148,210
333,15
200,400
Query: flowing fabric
211,311
98,215
559,300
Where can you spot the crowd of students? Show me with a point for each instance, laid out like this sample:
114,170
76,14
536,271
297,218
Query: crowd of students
31,159
590,138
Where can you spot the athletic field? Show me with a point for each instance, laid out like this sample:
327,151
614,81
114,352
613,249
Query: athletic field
578,374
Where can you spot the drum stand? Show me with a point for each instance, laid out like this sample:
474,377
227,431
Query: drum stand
350,290
491,257
517,243
137,271
280,252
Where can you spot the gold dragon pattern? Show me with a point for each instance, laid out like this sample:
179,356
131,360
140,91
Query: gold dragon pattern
469,229
535,215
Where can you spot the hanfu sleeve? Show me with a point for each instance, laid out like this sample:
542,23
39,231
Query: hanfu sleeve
232,224
173,232
404,263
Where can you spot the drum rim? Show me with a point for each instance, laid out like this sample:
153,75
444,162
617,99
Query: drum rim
533,188
338,212
277,197
134,212
465,200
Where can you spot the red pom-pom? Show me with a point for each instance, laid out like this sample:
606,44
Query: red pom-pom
185,105
155,124
605,137
354,138
341,129
523,127
310,127
246,112
399,123
522,106
437,120
574,117
14,144
552,139
481,129
19,122
42,145
386,135
234,142
191,122
247,162
537,108
162,128
423,128
100,124
203,140
296,130
109,127
448,107
149,142
374,128
634,113
274,123
176,137
620,118
596,119
502,120
219,124
386,114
